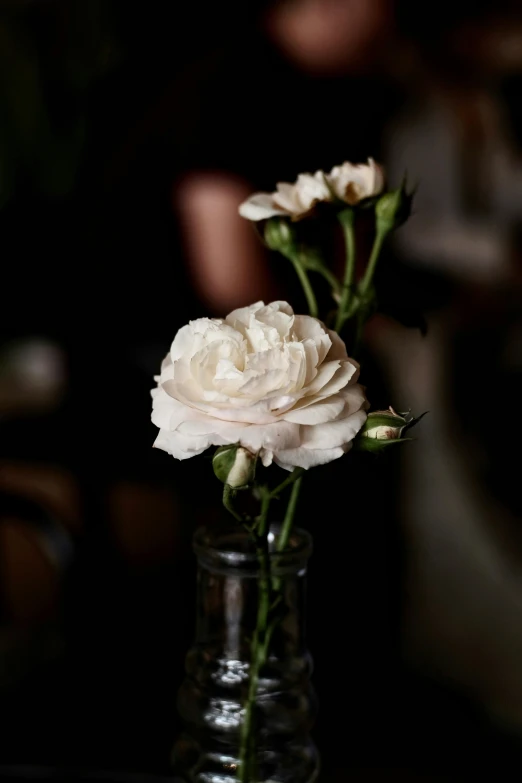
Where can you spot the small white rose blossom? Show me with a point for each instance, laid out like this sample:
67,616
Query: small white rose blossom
352,183
295,200
277,384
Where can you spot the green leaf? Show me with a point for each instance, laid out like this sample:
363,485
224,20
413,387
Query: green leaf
414,421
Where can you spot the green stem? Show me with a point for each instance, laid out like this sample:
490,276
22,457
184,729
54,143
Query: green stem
266,497
357,338
330,279
346,218
228,495
314,262
294,475
259,646
287,525
307,287
247,749
263,631
290,514
364,287
378,242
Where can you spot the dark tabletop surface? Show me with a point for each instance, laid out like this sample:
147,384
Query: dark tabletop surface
369,775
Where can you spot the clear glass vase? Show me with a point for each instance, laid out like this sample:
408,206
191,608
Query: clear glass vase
213,698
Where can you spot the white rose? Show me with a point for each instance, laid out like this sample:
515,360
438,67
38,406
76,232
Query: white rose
354,182
278,384
351,183
295,200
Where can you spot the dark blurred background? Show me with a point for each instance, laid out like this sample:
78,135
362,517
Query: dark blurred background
128,137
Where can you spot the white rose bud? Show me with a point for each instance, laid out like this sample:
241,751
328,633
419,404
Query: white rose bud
235,466
384,425
384,428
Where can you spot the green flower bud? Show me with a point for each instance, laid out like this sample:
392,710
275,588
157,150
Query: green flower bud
279,235
393,208
384,425
234,465
383,429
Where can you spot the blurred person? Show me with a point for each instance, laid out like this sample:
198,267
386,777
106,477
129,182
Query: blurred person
298,89
455,137
459,139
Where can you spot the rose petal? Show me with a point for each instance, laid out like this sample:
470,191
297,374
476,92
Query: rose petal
318,412
280,435
172,444
345,374
310,189
285,198
337,348
354,397
331,378
190,339
267,457
205,426
168,413
263,384
333,433
260,206
307,328
306,458
353,182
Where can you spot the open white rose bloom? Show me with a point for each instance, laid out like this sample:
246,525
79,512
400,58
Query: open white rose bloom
351,183
280,385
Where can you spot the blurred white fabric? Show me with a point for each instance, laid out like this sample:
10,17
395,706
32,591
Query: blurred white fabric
464,236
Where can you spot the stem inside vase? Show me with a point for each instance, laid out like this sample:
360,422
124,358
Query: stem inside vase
259,652
269,587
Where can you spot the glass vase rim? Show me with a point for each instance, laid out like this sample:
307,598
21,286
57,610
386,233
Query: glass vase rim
208,550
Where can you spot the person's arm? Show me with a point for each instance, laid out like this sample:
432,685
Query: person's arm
227,263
